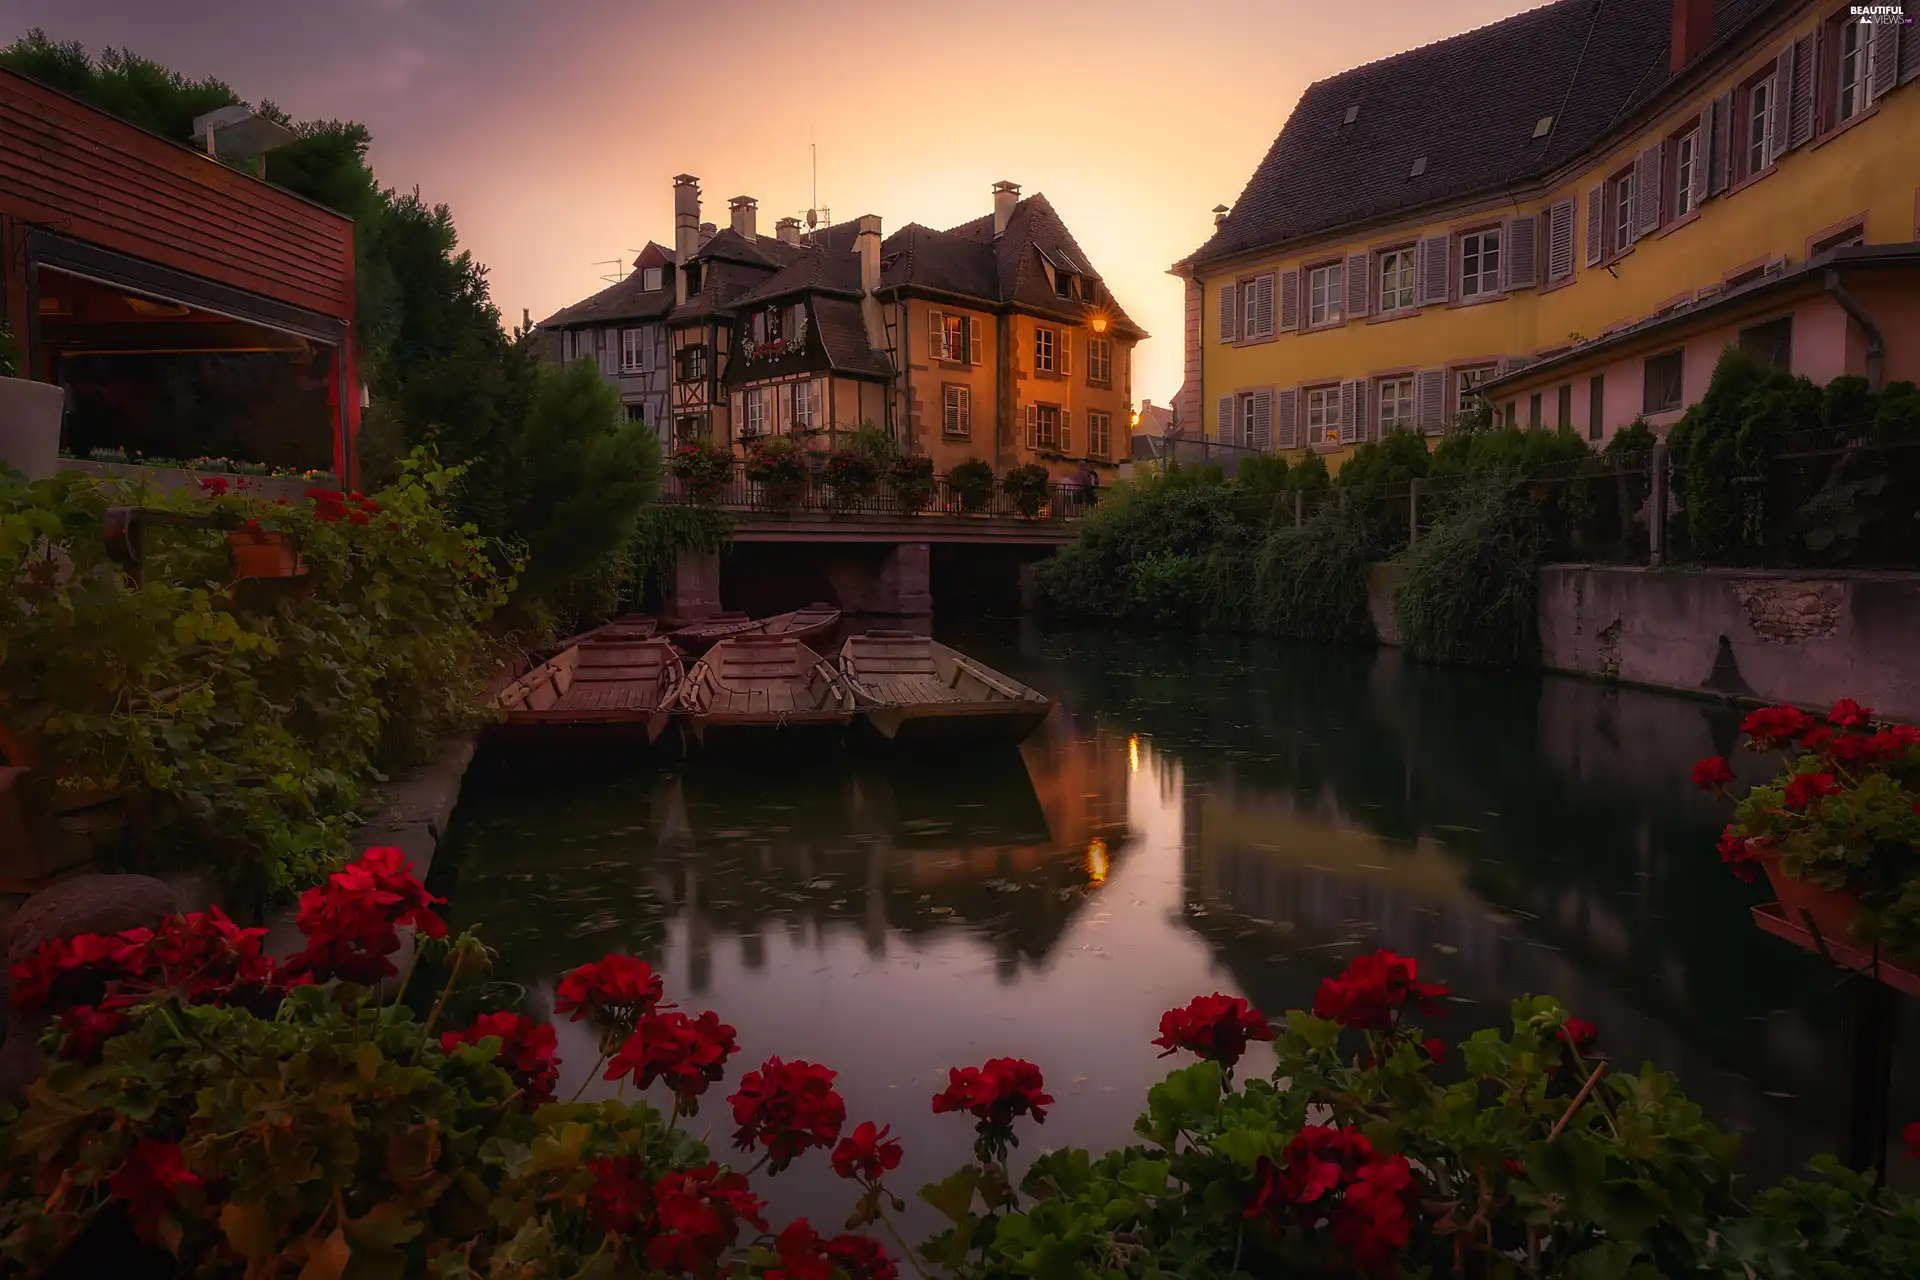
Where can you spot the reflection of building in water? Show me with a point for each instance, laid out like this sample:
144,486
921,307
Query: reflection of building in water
1271,886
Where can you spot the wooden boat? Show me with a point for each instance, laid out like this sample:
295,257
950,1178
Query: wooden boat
598,692
758,690
630,626
910,689
698,637
805,625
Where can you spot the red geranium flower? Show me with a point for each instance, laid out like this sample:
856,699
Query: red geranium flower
861,1257
802,1254
997,1093
1849,714
1712,773
620,1199
688,1053
866,1154
527,1051
63,973
696,1217
1771,727
216,486
87,1032
1805,789
1818,738
615,988
787,1107
1738,852
1578,1032
1216,1027
152,1180
351,922
1335,1176
1374,989
1434,1047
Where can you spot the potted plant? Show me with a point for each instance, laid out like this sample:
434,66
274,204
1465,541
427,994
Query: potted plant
779,466
1027,485
852,473
1837,832
972,482
703,469
912,481
30,415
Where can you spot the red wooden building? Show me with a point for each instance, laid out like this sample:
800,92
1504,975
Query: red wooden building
190,309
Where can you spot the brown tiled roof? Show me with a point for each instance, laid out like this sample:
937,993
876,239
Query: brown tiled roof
1468,105
843,334
827,263
760,251
921,257
625,300
1034,230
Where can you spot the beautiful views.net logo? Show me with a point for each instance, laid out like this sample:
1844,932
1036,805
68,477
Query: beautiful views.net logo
1880,13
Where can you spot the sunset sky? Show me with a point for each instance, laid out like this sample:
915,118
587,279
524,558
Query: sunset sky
553,127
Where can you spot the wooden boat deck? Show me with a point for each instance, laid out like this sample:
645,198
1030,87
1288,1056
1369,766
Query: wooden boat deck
764,683
599,683
698,637
910,687
803,624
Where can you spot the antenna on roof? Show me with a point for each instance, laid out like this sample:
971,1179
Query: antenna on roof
619,266
814,216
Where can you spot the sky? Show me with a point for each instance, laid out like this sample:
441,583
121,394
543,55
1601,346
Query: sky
553,128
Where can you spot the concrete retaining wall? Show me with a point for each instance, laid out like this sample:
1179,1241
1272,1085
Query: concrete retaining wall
1383,580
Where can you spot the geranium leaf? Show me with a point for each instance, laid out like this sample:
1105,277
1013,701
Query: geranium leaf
329,1259
249,1230
953,1196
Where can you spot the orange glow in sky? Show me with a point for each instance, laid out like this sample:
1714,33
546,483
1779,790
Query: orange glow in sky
554,129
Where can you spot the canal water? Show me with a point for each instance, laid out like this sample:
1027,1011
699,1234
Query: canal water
1201,814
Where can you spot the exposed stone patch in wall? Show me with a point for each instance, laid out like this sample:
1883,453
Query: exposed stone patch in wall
1609,641
1788,612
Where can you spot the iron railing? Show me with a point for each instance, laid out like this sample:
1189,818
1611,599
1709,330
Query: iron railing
814,496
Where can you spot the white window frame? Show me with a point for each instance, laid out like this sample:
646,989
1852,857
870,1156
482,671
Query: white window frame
1483,249
1395,396
1466,385
1853,93
1686,154
1760,96
756,404
1100,360
1046,426
1622,224
1046,349
804,405
1323,415
1247,417
652,279
956,410
1326,294
1099,434
633,350
1397,295
953,338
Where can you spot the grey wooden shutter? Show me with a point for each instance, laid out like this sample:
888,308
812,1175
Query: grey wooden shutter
966,410
1262,421
1224,425
936,335
1596,225
1262,307
1066,431
1720,146
1885,71
1347,411
1289,413
1290,300
1033,426
1646,190
1229,310
1430,391
1430,274
1358,282
1777,112
1909,54
1702,155
1519,263
1799,95
976,340
1064,356
1560,241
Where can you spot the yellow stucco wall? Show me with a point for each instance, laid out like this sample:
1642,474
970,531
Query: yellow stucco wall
1871,167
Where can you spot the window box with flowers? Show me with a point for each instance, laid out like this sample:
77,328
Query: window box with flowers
971,482
911,479
778,464
1027,486
852,473
702,468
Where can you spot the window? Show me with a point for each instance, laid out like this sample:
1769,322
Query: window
1513,413
1045,343
1324,294
1856,57
1099,434
804,402
1256,307
636,413
756,423
1249,416
1100,360
633,351
1623,211
651,280
1856,234
1467,387
1759,111
1323,415
692,361
693,278
1047,426
1396,280
687,430
1596,405
1480,263
956,410
1533,412
1396,403
1771,342
1663,391
953,336
1564,419
1684,160
1063,283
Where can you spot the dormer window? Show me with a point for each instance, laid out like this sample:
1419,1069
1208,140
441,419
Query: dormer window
1065,284
693,278
650,280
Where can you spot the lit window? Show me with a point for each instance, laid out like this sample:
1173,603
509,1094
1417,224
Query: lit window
1759,112
954,339
650,280
1323,415
1047,426
1324,285
1480,263
1683,163
1396,403
1043,350
1396,280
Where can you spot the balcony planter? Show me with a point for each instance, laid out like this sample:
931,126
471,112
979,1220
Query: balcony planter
1832,911
912,481
972,482
263,555
30,426
1027,486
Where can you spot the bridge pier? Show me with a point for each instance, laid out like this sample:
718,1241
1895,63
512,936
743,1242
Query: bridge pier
696,588
905,584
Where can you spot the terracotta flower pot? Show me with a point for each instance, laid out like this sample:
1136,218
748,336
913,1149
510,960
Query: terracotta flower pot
1833,911
30,426
263,555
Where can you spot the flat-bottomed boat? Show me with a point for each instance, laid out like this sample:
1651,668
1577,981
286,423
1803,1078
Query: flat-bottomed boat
757,690
910,689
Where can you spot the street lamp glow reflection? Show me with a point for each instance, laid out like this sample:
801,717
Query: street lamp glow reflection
1097,861
1133,754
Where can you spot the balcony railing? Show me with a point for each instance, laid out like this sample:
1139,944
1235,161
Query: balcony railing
815,496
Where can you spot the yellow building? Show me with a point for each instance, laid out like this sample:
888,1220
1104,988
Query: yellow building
1568,213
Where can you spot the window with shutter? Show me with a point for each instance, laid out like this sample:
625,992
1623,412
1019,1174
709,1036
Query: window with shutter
1431,288
1326,294
1689,174
1033,426
1287,410
1066,431
1480,263
1262,435
937,335
1246,408
1560,242
1322,416
1066,352
1883,66
1431,391
1358,274
1223,423
1522,264
1397,279
1261,322
976,340
1646,190
1229,304
1393,407
954,410
1720,144
1349,412
1782,83
1909,55
1798,93
1596,225
1290,301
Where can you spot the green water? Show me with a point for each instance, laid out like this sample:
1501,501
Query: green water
1202,814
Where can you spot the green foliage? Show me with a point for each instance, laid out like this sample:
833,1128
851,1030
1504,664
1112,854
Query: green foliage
1505,449
1263,473
1387,463
9,353
703,469
1309,475
1635,437
911,479
1027,486
972,482
1307,582
1467,594
1142,548
1726,441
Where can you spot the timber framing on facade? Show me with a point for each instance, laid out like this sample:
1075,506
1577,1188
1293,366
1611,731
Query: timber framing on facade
1413,246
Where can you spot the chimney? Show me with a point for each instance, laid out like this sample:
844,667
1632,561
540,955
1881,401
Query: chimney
866,243
1005,196
746,211
707,232
1219,214
686,229
787,231
1692,32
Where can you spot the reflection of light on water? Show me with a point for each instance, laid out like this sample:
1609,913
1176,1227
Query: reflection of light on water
1133,754
1097,861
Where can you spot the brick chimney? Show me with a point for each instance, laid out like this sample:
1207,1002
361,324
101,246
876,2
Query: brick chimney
787,231
1692,32
1220,212
746,216
686,228
1005,196
707,232
866,243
